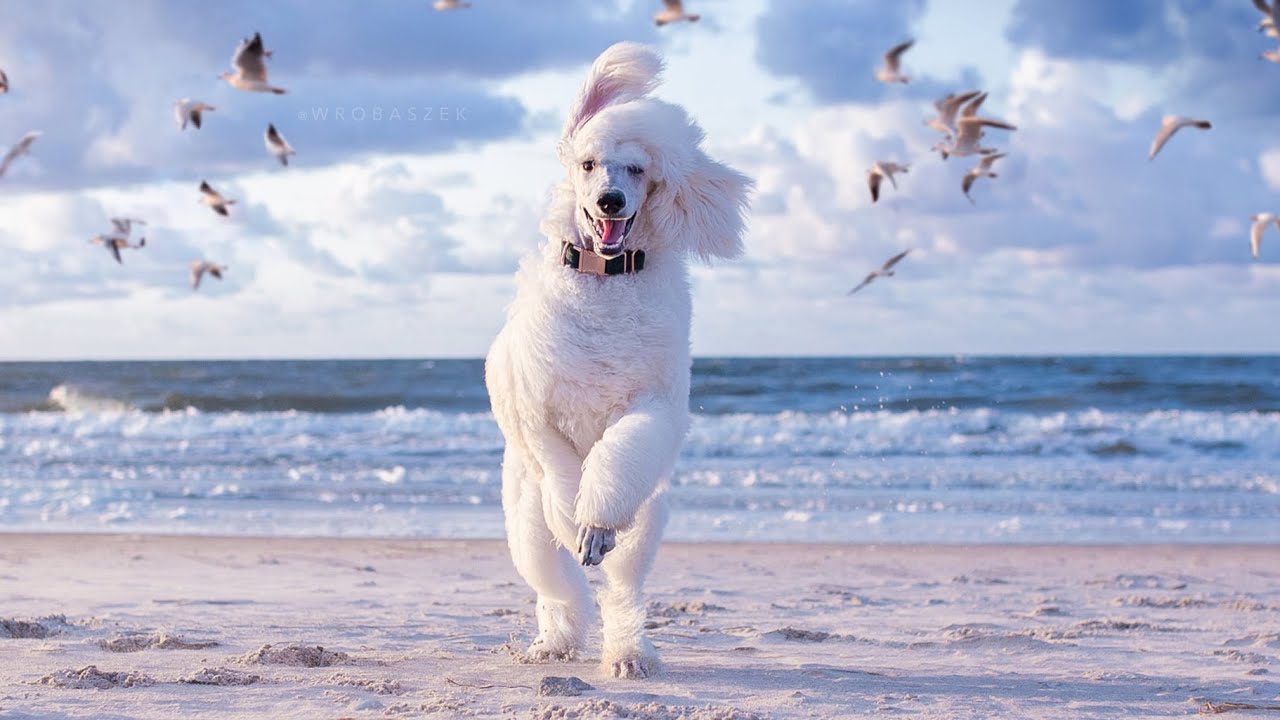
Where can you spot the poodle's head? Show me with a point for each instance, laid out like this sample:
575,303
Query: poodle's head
637,176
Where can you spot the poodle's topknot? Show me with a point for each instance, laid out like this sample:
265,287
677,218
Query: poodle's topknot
625,71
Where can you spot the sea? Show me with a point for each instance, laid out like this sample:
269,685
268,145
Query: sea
835,450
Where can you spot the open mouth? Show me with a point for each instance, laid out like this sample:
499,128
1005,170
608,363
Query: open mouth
611,233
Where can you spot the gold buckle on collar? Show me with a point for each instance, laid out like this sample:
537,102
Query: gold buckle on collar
590,262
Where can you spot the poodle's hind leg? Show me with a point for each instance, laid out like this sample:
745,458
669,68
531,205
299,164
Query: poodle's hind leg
627,653
564,608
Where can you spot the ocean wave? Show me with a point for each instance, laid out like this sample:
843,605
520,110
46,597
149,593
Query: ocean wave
876,433
718,386
74,399
985,432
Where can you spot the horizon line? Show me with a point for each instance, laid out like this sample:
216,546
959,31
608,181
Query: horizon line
471,358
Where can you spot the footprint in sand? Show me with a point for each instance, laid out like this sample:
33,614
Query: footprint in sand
799,635
91,678
377,686
294,654
1258,640
219,676
1166,603
600,708
1149,582
1242,657
37,629
670,610
160,640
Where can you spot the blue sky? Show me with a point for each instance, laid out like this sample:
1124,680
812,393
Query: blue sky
397,228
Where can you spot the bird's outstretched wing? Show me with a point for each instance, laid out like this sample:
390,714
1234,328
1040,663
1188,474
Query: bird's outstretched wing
865,282
888,264
1166,131
248,59
894,56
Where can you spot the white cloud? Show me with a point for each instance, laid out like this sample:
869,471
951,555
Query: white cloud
1269,166
1080,245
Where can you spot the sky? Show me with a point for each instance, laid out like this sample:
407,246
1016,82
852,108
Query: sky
426,152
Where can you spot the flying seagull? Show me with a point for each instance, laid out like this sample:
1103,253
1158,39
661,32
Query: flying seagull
1270,21
214,199
969,131
115,244
674,12
443,5
22,148
124,225
948,107
1271,56
891,71
878,172
250,66
1260,222
885,270
277,145
4,83
188,110
200,267
982,169
1170,125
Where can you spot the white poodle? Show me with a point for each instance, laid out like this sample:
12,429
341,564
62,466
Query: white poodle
589,379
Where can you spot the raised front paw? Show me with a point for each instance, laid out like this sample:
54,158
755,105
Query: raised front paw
594,542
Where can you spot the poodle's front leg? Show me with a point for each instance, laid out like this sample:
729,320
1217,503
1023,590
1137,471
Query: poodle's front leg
623,470
562,475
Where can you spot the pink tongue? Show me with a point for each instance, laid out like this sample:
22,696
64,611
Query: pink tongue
612,234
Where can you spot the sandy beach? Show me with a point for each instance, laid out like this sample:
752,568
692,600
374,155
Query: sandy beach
323,628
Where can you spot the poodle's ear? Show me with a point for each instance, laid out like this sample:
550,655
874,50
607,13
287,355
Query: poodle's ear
623,72
710,208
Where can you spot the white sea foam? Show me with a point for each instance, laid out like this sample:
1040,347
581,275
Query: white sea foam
72,399
871,475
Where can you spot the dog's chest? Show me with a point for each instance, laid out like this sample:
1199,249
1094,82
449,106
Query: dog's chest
600,344
609,343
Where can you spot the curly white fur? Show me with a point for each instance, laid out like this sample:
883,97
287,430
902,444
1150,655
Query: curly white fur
589,378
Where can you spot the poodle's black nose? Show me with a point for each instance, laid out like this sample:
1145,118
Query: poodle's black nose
611,202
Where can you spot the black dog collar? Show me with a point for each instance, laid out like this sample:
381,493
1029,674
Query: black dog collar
587,261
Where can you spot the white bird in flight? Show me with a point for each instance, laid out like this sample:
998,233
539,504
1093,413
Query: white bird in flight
982,169
250,66
885,270
200,267
214,199
443,5
188,110
1271,55
22,148
674,12
1170,125
891,71
277,145
1260,222
124,225
880,170
1270,17
969,131
115,244
947,108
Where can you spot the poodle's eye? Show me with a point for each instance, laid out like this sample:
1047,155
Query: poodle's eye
635,169
588,165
